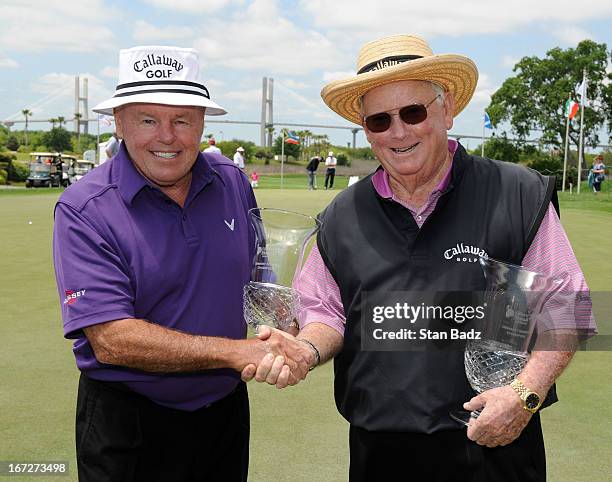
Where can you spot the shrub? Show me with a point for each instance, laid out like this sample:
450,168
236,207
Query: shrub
343,159
19,172
12,144
228,148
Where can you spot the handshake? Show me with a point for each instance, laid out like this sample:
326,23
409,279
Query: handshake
276,357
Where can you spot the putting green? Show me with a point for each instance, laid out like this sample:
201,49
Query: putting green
296,433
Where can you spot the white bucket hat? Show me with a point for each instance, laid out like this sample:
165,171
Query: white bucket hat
159,75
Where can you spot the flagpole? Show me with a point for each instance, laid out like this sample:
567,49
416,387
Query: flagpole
582,101
282,156
567,123
483,134
98,143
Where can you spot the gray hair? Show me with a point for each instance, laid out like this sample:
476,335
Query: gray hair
437,88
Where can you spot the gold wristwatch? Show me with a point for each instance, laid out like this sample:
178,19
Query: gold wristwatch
531,400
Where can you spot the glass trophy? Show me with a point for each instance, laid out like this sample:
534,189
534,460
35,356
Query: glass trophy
513,298
281,238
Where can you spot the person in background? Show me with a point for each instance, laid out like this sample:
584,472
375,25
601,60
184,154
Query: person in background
112,146
312,167
239,158
330,171
212,147
254,179
598,172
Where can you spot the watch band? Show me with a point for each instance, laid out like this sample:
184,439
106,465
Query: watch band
524,393
519,388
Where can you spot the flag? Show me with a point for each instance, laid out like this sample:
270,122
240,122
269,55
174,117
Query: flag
487,120
571,108
105,120
292,138
581,91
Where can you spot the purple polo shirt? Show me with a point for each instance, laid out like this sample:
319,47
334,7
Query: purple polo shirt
122,249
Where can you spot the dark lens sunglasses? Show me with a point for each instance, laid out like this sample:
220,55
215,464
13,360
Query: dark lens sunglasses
410,114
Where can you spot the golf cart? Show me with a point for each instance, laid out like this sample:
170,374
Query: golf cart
79,168
49,169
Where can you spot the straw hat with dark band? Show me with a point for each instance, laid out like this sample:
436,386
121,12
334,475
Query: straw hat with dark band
401,57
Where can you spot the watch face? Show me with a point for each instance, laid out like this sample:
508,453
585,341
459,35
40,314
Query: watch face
532,401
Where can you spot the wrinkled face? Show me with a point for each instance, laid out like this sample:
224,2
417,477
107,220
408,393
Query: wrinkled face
403,149
163,140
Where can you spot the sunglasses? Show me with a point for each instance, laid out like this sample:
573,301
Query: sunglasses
410,114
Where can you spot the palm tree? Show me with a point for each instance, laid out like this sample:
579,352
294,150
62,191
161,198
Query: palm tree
77,123
307,139
26,113
53,122
61,120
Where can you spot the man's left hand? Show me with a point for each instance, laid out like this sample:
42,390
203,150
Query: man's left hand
502,419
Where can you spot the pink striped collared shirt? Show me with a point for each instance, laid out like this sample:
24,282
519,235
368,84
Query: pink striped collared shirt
550,253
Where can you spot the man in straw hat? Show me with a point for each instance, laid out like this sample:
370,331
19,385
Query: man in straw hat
417,226
152,251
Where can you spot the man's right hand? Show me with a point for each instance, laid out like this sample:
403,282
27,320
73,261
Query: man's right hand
286,362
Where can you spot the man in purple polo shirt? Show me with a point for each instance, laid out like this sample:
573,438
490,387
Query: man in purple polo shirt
151,252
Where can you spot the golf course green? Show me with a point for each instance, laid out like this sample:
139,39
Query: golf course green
296,434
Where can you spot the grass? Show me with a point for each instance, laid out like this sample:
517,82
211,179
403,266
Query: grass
297,433
298,181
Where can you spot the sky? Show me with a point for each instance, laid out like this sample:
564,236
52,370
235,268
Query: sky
301,44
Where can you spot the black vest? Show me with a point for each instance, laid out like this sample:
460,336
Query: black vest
373,245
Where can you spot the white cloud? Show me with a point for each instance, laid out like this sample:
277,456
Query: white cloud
56,25
484,91
252,96
294,84
214,83
7,63
55,92
112,72
190,6
330,76
509,61
145,32
260,38
363,21
571,35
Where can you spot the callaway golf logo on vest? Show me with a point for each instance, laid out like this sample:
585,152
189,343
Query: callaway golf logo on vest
71,296
462,253
152,62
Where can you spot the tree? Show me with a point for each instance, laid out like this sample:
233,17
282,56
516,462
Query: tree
320,144
12,144
500,148
534,99
26,113
57,139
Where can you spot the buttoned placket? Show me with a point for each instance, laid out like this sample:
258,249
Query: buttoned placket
187,226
